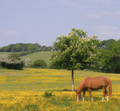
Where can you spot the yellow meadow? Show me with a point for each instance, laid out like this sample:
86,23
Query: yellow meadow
24,91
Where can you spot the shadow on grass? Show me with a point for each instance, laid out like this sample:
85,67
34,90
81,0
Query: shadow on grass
64,90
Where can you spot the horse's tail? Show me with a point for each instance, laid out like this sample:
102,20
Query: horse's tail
110,89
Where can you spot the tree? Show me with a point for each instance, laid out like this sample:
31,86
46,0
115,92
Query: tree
74,51
107,44
39,64
110,59
105,62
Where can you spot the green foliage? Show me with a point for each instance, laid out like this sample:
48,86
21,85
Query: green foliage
25,48
11,61
107,43
48,94
74,51
39,64
110,59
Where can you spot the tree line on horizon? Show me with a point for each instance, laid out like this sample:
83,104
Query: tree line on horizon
30,47
25,47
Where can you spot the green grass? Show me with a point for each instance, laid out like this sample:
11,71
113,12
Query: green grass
24,90
4,53
40,79
44,55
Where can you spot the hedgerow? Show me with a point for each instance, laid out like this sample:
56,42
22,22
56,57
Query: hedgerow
11,61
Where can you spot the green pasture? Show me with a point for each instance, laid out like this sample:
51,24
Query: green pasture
47,79
23,90
4,53
44,55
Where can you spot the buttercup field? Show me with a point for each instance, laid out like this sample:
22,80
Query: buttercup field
24,90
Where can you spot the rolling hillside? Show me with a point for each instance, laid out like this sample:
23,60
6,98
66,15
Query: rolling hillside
44,55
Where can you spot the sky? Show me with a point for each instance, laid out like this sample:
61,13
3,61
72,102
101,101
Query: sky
42,21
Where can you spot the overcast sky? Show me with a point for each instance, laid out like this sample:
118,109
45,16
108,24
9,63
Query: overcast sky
42,21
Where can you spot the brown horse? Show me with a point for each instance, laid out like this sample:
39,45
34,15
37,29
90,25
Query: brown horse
89,84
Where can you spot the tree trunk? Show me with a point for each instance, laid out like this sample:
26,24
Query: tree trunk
72,80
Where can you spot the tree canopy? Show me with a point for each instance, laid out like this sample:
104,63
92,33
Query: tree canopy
74,51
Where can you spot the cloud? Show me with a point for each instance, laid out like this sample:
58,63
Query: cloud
107,32
9,33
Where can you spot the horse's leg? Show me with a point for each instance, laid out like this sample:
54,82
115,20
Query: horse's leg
83,95
104,92
90,94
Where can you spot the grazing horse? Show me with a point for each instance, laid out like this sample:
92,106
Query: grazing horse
89,84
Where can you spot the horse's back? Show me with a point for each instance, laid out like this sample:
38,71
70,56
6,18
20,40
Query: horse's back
101,78
95,83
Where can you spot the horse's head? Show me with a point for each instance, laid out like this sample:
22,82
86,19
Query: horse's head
78,95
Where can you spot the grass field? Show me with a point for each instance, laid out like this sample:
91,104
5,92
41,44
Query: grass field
44,55
4,53
23,90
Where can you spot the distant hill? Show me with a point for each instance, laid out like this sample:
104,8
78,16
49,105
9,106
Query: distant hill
44,55
24,47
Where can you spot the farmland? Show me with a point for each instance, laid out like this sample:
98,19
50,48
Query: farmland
23,90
